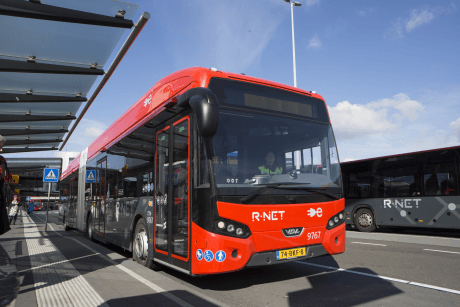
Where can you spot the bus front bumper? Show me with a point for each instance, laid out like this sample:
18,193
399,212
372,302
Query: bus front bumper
241,253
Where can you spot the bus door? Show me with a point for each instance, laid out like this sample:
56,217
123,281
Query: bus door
172,186
99,221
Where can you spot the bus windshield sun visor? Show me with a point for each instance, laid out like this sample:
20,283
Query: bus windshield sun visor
204,103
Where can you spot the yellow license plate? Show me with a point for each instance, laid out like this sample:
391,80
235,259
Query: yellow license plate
290,253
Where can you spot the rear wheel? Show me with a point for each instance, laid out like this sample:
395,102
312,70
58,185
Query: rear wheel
64,221
364,220
89,227
141,245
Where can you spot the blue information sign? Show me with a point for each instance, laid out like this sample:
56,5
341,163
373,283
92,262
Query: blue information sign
91,176
50,175
28,198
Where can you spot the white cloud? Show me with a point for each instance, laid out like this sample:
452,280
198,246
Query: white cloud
418,18
311,2
455,127
315,42
351,121
366,12
393,126
409,109
93,132
86,132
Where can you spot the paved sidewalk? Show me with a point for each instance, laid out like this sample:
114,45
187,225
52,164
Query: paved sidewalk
61,268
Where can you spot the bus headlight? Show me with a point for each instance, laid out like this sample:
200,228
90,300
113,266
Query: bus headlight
231,228
335,221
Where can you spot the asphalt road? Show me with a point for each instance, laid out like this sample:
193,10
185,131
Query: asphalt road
377,269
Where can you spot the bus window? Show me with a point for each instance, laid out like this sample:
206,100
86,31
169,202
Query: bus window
180,207
161,198
439,179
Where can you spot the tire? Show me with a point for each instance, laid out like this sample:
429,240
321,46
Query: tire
64,221
364,220
89,228
140,245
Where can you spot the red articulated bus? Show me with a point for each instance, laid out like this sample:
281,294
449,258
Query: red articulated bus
37,203
212,172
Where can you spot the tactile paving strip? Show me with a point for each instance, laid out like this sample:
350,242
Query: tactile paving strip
57,282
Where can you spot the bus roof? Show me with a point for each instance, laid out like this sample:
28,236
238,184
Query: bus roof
159,95
403,154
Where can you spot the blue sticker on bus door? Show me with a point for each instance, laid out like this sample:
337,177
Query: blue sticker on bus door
220,256
208,255
199,254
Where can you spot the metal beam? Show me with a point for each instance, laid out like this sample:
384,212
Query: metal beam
11,118
28,9
14,150
29,142
11,132
23,98
42,68
132,36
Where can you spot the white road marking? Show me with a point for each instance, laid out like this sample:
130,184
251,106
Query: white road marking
385,278
435,250
400,235
369,243
142,279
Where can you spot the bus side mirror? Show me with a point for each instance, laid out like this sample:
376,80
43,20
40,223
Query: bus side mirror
204,103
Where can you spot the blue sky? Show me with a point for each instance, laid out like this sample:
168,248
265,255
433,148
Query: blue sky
388,70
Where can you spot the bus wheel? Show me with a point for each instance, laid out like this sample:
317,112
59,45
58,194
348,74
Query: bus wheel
64,220
141,244
364,220
89,227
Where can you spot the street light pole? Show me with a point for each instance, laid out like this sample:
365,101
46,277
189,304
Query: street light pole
293,40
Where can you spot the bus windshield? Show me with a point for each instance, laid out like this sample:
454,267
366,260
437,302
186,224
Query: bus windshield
252,149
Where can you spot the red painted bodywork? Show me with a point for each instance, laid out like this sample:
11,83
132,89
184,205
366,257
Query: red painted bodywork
267,235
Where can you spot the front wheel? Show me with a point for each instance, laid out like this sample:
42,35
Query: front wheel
364,220
141,245
89,227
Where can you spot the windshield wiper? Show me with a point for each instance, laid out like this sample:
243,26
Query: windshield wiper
278,186
310,189
268,186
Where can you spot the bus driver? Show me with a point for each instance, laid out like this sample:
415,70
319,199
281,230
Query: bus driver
269,165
